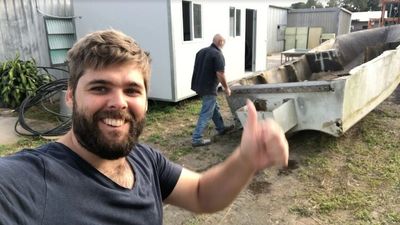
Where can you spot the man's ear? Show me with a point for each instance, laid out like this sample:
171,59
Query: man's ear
69,98
147,103
221,43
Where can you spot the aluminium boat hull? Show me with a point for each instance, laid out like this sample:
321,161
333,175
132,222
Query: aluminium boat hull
329,89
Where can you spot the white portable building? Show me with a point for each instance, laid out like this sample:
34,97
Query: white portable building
174,30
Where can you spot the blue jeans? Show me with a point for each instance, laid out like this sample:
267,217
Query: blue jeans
209,110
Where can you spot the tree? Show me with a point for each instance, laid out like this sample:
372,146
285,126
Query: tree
356,5
298,5
315,3
307,5
333,3
374,5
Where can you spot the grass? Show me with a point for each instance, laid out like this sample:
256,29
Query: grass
355,176
179,153
353,179
155,133
44,111
169,125
164,111
21,144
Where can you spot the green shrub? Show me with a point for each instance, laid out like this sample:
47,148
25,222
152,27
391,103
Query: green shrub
19,79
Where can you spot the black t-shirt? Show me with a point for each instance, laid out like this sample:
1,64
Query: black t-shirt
208,61
53,185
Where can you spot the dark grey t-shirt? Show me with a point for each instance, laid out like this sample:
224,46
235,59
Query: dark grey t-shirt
53,185
208,62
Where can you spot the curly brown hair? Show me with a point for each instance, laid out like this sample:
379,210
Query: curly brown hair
101,49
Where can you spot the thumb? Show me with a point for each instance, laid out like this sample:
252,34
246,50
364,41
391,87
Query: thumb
251,115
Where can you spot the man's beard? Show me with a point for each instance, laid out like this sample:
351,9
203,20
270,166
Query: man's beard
89,135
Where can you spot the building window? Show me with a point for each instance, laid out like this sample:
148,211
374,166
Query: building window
60,38
192,27
197,20
234,21
238,22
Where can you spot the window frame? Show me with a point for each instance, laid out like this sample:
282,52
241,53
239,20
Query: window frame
238,20
192,21
59,40
235,18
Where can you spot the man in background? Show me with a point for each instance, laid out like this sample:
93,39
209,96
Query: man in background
208,72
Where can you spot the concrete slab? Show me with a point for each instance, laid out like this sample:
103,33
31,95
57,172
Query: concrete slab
7,133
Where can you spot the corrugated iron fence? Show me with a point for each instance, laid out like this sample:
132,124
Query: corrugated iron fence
22,28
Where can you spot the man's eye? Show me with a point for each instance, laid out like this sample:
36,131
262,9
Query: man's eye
99,89
132,91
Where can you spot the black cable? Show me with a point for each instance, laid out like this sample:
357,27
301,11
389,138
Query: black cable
42,95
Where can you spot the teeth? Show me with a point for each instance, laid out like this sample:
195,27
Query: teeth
114,122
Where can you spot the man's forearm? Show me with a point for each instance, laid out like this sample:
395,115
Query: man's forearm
263,144
222,80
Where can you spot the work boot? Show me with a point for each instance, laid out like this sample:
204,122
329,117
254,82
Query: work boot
202,142
226,130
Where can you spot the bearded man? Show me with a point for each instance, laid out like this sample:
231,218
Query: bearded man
98,173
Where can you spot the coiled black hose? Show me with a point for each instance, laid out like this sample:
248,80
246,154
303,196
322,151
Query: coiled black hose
43,95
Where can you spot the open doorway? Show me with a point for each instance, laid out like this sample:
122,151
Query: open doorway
250,40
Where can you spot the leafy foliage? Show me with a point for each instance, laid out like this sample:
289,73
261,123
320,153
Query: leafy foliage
355,5
333,3
307,5
352,5
19,79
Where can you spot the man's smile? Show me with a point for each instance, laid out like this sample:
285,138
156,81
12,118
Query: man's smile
113,122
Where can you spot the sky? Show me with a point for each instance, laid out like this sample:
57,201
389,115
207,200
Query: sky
287,3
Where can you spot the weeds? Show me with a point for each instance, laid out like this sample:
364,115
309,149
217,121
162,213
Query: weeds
180,152
357,173
353,179
21,144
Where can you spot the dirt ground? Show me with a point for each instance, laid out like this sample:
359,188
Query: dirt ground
271,194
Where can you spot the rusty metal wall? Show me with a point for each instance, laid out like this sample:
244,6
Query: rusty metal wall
22,27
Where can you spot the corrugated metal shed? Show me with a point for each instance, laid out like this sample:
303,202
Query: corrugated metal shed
22,27
276,24
333,20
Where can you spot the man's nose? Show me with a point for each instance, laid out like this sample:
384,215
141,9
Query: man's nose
118,100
